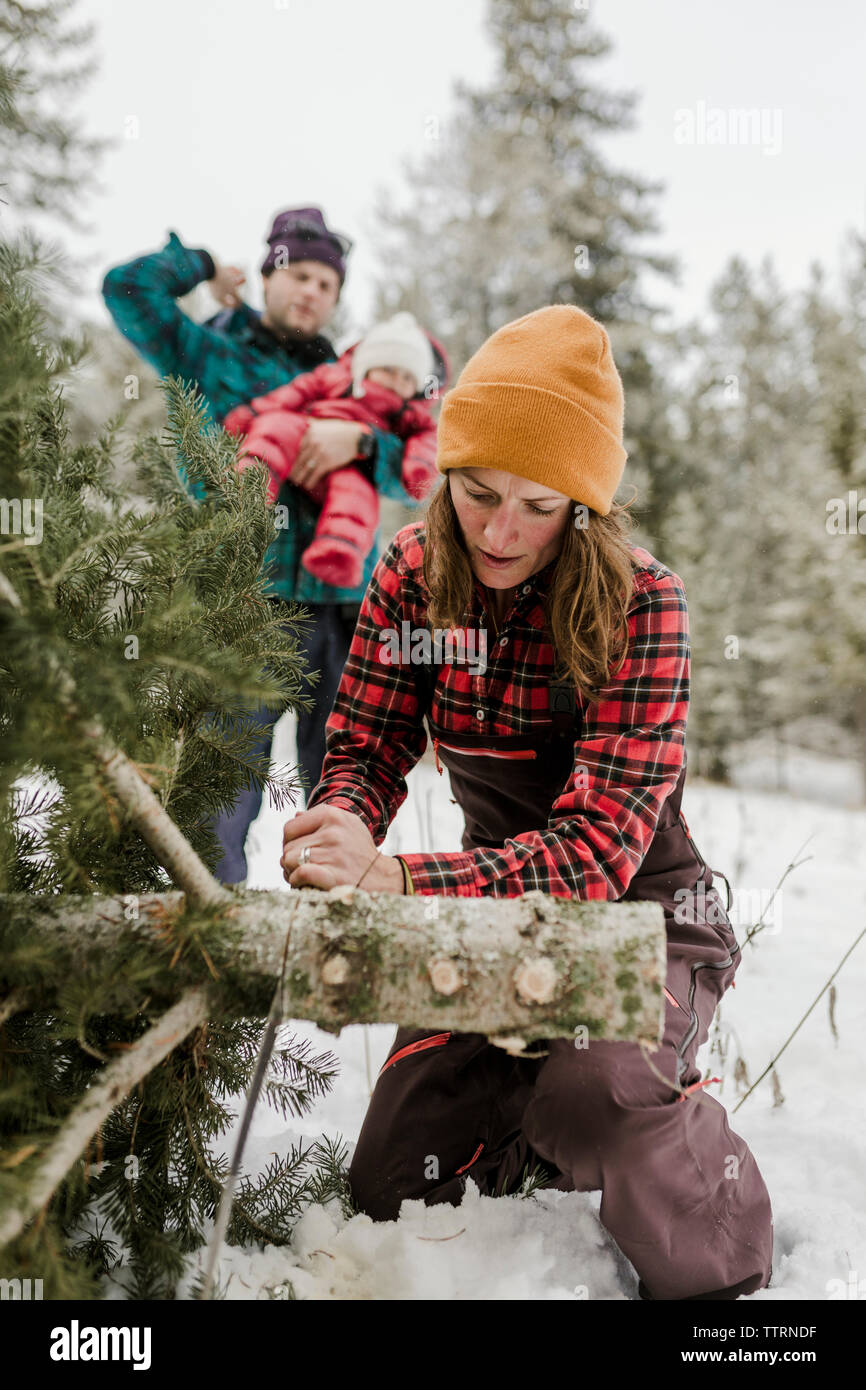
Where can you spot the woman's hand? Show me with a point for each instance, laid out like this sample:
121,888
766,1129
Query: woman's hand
341,849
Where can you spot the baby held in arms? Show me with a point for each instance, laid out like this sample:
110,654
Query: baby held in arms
383,382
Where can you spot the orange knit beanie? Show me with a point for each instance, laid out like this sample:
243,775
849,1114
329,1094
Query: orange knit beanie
541,398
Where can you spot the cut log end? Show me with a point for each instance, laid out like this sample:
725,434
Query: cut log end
335,971
535,981
445,976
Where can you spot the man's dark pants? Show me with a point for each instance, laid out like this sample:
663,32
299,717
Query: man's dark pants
325,645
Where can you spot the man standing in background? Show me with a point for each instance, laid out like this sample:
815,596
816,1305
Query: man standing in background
232,358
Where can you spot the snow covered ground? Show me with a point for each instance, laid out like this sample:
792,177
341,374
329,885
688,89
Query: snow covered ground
809,1138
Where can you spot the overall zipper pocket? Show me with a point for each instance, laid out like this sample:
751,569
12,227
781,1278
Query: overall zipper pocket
422,1044
521,753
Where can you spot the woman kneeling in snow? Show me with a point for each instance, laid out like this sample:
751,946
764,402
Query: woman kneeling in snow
566,754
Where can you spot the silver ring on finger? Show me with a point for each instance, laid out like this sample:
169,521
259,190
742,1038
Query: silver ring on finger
306,853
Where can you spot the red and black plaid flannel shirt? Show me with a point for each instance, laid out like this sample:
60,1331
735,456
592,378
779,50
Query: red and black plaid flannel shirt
632,743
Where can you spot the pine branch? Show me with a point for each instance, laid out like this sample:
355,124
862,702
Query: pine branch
149,817
330,1179
115,1082
153,823
309,1078
134,636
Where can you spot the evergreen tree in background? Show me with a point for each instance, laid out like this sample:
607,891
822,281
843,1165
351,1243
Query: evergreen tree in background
835,607
738,430
773,430
152,620
46,159
732,537
47,169
514,206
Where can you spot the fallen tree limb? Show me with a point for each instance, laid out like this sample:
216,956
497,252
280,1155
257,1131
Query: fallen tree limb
106,1092
515,969
14,1003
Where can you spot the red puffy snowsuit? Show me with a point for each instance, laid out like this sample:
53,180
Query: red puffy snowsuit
274,426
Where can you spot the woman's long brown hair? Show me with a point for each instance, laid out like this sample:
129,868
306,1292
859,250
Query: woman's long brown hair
585,607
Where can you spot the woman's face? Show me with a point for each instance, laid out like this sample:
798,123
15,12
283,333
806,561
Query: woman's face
504,515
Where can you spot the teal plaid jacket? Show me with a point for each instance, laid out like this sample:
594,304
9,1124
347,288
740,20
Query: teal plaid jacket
232,359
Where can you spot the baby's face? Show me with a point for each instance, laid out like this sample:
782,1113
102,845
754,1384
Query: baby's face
397,378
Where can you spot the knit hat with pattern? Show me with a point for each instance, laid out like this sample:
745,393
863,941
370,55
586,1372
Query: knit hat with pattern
541,398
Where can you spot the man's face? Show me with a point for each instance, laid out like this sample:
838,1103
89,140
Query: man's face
507,516
300,298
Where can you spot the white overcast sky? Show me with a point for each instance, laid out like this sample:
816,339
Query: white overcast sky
247,106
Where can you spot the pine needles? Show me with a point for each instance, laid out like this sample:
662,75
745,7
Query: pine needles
154,616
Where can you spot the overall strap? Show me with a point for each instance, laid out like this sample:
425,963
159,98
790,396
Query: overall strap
561,702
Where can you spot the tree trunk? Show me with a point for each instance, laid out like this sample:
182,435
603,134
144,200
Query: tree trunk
515,969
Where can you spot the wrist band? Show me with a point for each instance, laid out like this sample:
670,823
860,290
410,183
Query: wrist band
408,885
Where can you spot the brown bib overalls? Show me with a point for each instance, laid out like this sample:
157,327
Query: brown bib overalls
681,1193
